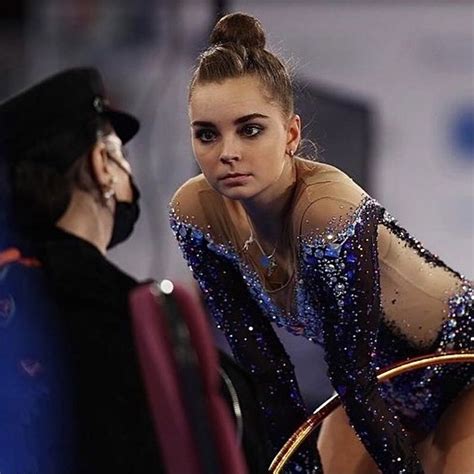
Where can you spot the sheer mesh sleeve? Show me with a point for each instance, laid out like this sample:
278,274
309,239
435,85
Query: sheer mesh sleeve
340,264
250,335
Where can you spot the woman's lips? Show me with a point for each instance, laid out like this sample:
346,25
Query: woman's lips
235,178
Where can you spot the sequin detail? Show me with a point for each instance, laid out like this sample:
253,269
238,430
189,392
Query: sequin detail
235,298
337,303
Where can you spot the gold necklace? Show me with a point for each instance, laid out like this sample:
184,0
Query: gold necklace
268,261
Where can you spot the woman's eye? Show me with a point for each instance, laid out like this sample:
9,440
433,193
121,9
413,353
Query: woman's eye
251,130
205,135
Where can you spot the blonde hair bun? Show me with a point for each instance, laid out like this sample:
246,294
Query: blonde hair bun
239,28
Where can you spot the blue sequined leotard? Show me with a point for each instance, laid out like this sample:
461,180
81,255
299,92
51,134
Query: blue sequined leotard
353,281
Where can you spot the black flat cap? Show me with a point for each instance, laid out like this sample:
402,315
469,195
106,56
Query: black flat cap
66,101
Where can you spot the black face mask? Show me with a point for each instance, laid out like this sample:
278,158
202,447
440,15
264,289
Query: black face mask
126,214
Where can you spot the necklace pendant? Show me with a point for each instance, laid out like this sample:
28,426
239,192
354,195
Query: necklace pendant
268,262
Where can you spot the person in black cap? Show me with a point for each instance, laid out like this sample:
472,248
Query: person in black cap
79,403
67,351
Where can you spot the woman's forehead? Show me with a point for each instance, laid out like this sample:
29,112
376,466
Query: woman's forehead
230,99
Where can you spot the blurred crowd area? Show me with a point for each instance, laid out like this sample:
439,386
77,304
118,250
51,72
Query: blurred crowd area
385,89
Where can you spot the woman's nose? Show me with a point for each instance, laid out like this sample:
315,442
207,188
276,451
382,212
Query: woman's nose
229,152
229,158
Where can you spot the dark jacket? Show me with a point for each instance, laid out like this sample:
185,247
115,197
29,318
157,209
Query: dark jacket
86,409
112,420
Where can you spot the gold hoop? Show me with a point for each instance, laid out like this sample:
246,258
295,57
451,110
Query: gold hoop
332,403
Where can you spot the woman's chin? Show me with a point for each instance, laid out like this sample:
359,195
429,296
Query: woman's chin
236,196
236,193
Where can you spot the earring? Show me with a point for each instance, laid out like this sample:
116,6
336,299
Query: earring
291,153
110,192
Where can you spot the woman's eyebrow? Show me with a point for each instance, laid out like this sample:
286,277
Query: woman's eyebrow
246,118
243,119
199,123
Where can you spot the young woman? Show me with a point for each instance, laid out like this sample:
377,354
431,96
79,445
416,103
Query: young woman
272,237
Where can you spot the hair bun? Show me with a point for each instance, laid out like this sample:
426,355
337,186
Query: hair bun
239,28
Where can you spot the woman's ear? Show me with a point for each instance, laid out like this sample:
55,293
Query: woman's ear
293,134
100,166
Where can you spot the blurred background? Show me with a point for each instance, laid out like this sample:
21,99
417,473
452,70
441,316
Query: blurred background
385,88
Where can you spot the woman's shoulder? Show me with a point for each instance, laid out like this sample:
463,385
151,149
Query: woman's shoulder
313,173
186,194
192,197
321,181
326,195
197,204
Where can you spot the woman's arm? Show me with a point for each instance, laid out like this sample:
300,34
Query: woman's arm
250,335
340,268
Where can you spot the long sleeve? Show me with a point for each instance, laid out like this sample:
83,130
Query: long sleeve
251,337
340,266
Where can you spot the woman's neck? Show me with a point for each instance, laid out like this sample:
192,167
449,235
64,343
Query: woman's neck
88,219
268,210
